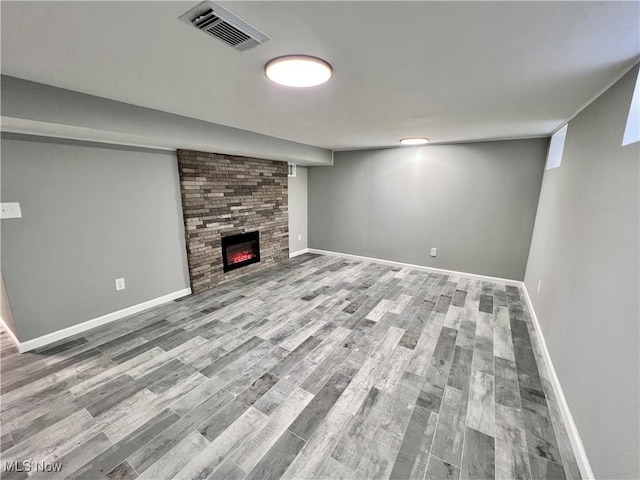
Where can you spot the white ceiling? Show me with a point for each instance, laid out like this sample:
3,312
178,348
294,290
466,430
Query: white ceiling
452,71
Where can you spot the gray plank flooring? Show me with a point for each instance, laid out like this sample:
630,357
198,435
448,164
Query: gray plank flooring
320,367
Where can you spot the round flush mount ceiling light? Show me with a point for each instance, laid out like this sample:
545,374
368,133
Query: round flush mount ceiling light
414,141
298,71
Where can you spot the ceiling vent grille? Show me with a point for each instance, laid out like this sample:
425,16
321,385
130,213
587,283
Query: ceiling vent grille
218,22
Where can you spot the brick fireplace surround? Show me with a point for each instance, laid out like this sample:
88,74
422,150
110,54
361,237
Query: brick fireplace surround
224,195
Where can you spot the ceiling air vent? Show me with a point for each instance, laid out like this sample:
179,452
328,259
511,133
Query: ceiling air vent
214,20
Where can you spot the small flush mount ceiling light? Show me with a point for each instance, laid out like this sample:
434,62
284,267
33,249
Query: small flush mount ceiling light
298,71
414,141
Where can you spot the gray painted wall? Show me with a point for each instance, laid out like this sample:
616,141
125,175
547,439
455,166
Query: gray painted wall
22,99
5,308
474,202
585,250
90,215
298,219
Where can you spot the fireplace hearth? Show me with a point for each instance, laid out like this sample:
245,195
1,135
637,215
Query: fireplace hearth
240,250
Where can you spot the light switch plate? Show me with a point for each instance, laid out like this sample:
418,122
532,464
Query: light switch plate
11,210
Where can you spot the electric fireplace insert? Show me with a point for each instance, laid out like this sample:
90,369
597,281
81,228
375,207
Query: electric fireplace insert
240,250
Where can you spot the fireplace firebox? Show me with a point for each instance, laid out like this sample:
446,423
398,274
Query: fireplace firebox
240,250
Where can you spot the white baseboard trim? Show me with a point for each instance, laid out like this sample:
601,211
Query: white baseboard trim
299,252
474,276
572,430
95,322
12,335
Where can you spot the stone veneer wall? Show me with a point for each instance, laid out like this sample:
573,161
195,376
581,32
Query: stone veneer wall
224,195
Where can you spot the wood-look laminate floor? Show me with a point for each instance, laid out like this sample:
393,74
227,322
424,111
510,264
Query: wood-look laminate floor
318,368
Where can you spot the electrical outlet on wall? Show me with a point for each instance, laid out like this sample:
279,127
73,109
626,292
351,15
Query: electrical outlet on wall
434,251
119,283
299,237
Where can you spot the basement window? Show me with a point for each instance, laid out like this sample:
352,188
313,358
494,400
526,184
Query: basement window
632,130
556,147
